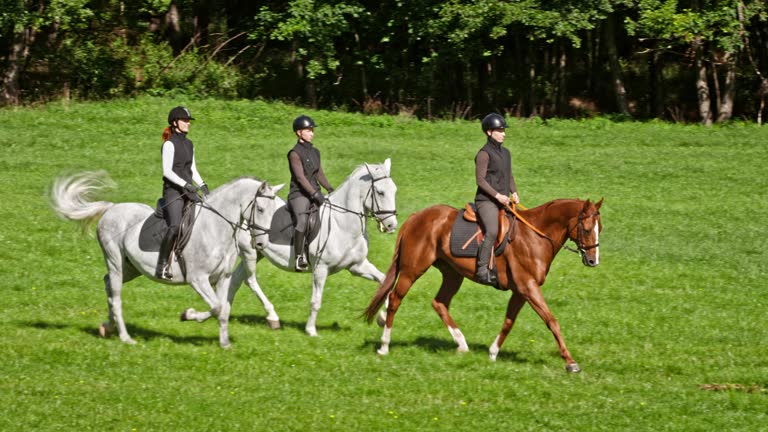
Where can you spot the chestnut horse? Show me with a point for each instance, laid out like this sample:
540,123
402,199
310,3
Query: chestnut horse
424,241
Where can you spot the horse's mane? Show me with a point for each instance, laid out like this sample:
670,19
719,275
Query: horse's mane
230,183
360,167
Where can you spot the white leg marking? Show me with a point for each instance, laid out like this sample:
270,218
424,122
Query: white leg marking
493,351
458,337
384,350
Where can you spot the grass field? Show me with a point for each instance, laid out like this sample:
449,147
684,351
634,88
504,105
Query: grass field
669,329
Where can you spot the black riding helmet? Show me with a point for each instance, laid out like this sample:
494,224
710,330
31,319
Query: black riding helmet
179,112
303,122
493,121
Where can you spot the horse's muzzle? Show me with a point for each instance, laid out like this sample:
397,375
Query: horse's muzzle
590,260
388,225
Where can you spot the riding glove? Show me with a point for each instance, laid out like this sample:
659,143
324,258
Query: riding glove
318,197
189,187
205,190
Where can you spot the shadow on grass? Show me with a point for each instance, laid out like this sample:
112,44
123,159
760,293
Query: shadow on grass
262,320
136,332
436,345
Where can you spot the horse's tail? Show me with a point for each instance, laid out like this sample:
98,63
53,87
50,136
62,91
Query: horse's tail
70,196
386,285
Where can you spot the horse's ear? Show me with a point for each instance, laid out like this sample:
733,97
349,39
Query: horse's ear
278,187
599,203
388,165
263,186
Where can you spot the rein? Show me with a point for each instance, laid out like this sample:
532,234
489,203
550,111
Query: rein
376,214
251,226
523,220
581,248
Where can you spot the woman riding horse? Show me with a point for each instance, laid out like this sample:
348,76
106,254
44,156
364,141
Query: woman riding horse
306,177
495,183
179,173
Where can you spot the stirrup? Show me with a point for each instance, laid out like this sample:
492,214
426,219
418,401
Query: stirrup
164,272
301,263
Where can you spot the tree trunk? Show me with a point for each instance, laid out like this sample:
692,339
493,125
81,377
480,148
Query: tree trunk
619,90
725,111
656,108
17,56
702,87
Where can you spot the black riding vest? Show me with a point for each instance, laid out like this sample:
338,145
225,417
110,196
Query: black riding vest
183,152
499,170
310,161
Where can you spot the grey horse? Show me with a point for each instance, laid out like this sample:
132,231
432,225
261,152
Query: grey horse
341,243
225,224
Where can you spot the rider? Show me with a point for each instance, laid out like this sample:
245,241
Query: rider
179,173
306,177
495,183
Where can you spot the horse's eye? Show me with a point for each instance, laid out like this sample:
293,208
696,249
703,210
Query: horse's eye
260,210
381,193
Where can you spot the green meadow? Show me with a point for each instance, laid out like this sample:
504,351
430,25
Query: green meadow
669,329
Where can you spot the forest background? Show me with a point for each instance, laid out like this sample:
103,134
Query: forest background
688,60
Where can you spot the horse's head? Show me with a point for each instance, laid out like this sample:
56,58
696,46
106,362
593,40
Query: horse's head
260,214
380,198
585,233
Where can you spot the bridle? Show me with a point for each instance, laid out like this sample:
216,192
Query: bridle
377,214
375,210
581,247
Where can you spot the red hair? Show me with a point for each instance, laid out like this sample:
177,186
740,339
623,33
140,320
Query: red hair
166,134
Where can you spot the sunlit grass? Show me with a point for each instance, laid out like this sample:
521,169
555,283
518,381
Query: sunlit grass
668,329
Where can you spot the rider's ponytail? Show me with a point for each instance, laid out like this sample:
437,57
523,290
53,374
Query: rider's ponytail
166,134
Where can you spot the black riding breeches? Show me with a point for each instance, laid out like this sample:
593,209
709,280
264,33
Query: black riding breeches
174,205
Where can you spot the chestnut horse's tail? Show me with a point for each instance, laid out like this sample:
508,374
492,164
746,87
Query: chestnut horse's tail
386,285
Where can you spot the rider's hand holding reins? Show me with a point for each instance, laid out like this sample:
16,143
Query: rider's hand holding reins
318,197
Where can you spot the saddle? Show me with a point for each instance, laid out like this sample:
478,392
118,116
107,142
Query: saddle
154,227
281,227
466,234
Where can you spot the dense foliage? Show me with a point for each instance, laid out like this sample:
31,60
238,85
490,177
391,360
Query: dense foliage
688,60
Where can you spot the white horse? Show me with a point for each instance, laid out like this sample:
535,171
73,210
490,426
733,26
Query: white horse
224,225
341,242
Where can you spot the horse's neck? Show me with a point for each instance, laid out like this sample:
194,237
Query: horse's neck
350,195
232,199
554,218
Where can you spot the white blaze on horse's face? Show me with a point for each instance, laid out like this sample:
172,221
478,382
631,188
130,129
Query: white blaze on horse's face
588,237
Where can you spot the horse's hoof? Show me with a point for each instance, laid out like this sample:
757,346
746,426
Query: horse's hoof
105,330
573,368
382,351
462,349
274,324
184,316
226,346
129,341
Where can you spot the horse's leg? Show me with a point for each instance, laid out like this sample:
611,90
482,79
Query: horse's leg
319,275
246,270
222,292
442,301
516,302
404,283
118,273
202,286
534,297
369,271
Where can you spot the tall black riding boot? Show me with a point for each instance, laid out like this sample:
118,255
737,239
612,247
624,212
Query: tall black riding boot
484,274
298,250
163,270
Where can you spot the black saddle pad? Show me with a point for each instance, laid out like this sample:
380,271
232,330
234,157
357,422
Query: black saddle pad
154,227
281,228
462,231
152,232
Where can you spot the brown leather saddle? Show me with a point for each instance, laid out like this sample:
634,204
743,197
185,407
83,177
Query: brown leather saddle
466,234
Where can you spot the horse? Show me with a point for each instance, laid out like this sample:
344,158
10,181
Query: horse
341,241
224,224
424,241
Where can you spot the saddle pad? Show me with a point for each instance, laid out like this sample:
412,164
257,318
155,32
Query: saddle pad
152,232
154,227
462,231
281,227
